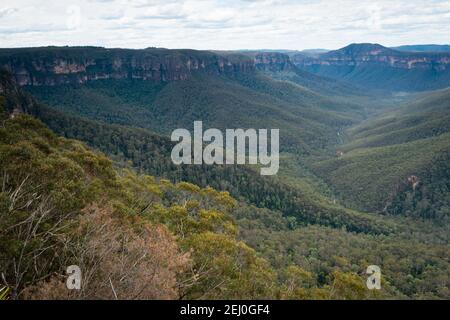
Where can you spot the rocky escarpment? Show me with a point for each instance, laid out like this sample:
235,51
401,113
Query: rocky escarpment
63,65
373,54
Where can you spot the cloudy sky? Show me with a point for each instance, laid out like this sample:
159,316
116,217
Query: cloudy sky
223,24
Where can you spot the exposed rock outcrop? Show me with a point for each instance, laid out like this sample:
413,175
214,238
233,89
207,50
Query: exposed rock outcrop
369,54
414,181
63,65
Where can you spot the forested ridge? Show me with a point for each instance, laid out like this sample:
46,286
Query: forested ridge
150,153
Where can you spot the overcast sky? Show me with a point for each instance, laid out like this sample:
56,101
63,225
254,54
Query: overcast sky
223,24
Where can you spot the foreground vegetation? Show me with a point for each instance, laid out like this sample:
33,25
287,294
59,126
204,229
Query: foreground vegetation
133,236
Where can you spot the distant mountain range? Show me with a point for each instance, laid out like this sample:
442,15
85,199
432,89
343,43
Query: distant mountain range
378,67
407,68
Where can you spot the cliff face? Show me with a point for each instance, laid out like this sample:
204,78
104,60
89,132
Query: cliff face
53,66
373,54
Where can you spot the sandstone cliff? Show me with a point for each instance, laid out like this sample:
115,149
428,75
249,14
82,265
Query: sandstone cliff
62,65
374,54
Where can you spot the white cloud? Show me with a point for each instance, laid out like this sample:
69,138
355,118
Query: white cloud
223,24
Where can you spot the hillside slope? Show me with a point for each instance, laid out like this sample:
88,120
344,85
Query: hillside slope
280,66
398,162
308,121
